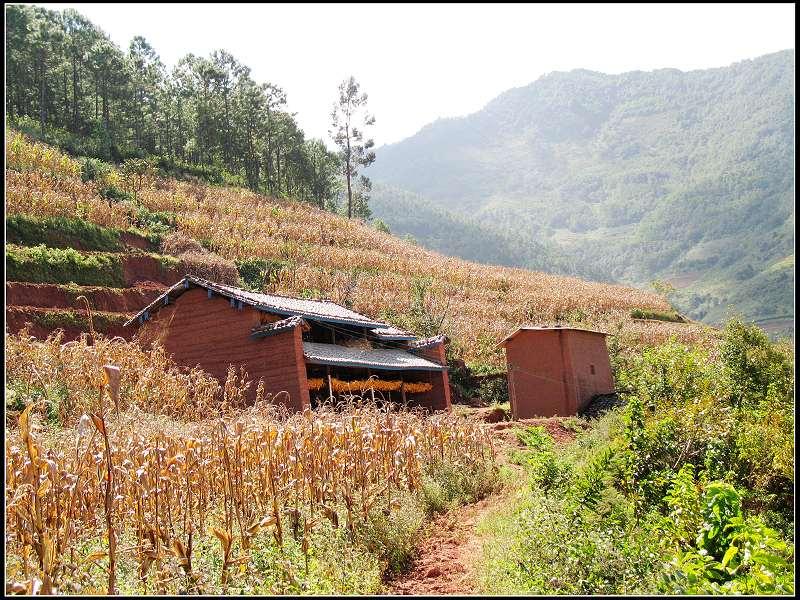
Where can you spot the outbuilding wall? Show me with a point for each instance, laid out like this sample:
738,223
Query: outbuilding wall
536,376
589,350
550,371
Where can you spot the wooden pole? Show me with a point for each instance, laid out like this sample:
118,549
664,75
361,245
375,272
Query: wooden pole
369,379
330,385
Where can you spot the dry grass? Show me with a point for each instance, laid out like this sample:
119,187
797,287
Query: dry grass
177,243
66,376
479,304
209,266
151,495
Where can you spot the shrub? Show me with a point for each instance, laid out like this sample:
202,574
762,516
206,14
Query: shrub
159,222
41,264
114,194
381,226
177,243
392,533
93,169
494,390
210,266
61,232
643,313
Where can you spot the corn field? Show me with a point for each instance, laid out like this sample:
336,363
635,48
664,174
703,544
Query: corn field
344,259
122,499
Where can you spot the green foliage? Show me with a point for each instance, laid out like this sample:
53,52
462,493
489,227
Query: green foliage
643,313
93,169
547,471
670,494
158,222
40,264
494,390
381,226
447,484
392,534
61,232
114,194
730,554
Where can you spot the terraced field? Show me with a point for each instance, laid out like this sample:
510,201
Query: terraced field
68,230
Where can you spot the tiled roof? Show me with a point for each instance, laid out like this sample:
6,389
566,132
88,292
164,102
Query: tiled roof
319,310
392,333
278,327
389,360
427,342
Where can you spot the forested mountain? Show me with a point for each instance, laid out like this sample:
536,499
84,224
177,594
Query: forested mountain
457,234
681,176
71,86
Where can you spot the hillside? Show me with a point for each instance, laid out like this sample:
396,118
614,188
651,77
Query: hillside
292,247
456,234
681,176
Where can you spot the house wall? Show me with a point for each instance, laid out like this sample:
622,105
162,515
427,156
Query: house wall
587,350
438,398
549,371
209,332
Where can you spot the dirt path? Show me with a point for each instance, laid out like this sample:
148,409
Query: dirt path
448,554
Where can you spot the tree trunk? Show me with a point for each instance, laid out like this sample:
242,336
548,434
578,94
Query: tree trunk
347,173
41,95
75,107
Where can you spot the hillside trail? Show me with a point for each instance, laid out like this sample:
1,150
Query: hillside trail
449,553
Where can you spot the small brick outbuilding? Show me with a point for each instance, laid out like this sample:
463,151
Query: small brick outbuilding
555,371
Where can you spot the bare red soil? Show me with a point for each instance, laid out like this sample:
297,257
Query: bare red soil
553,425
45,295
140,268
136,241
445,562
447,556
43,321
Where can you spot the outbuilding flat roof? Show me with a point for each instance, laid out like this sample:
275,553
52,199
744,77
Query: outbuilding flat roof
344,356
551,328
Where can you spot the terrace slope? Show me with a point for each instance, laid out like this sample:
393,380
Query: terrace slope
312,253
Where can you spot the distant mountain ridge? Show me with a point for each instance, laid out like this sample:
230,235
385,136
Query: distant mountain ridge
681,176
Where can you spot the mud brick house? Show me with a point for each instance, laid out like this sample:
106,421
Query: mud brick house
555,371
310,349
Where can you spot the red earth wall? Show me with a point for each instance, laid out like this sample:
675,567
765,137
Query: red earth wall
438,398
209,332
550,371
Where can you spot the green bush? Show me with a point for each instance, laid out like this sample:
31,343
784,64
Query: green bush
40,264
392,533
162,222
114,194
448,484
644,313
257,273
93,169
494,390
61,232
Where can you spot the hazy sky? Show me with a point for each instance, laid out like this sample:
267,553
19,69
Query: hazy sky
420,62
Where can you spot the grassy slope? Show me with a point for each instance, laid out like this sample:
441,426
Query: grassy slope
316,252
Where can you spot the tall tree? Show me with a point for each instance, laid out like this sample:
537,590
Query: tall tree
349,119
